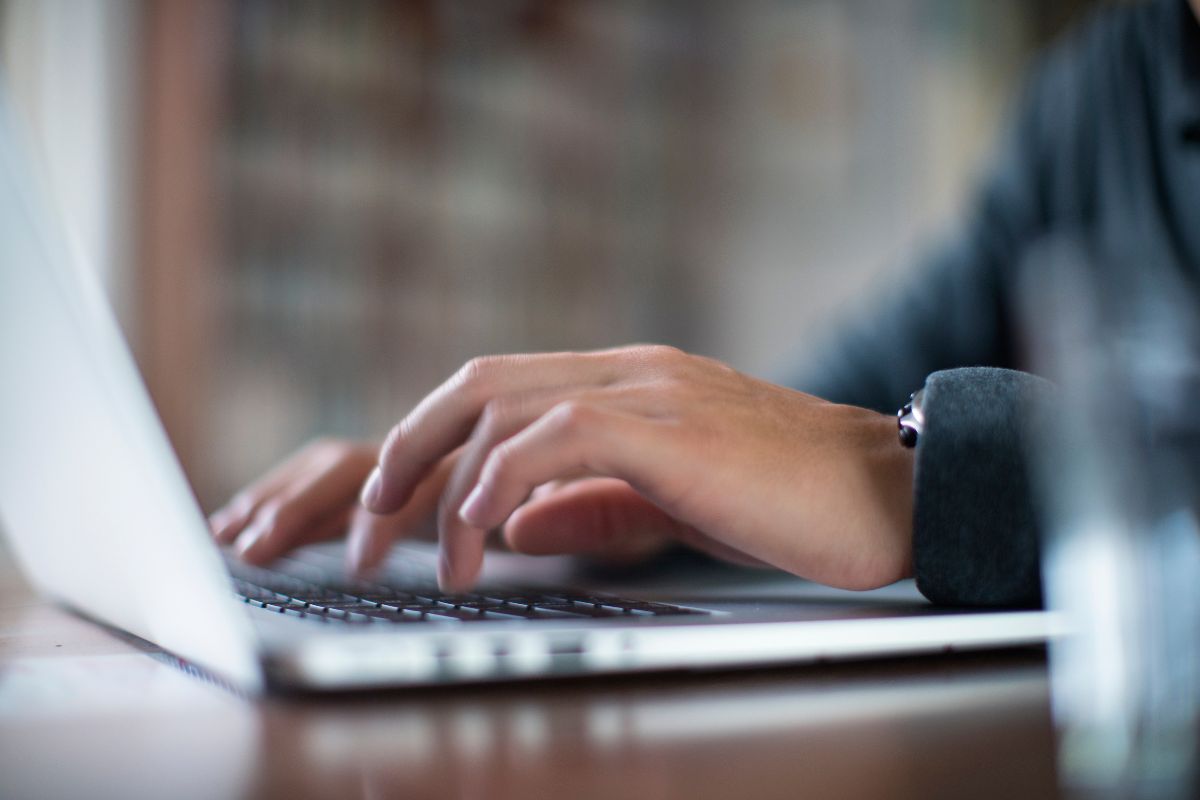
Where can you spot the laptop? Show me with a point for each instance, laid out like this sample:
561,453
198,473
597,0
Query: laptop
101,518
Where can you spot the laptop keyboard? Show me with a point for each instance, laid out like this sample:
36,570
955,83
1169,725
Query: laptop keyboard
367,602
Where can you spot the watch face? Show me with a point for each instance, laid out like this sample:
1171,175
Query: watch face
917,404
911,419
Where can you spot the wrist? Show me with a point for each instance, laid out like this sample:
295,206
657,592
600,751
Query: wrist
896,467
886,527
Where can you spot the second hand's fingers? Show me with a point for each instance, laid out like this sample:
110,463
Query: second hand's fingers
328,489
446,418
231,519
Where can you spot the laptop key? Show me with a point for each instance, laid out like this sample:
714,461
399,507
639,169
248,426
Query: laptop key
572,609
507,613
466,611
614,610
543,612
409,615
418,601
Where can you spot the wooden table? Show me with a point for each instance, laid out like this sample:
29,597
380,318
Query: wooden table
85,714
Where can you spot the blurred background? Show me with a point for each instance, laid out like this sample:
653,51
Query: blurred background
308,214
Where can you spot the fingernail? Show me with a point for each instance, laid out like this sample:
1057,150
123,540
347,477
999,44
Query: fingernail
250,537
371,489
472,509
217,522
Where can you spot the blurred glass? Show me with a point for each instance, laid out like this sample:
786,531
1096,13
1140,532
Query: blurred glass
1121,480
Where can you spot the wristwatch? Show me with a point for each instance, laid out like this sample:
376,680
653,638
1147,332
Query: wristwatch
910,419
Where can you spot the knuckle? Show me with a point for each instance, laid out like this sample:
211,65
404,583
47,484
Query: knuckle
499,462
662,360
311,446
475,375
333,450
322,444
573,416
664,353
496,416
343,449
393,436
398,433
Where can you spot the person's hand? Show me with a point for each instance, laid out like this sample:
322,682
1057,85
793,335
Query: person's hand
313,496
671,446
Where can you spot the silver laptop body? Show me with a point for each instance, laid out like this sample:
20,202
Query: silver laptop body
101,518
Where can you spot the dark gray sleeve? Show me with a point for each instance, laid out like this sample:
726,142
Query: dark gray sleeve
976,537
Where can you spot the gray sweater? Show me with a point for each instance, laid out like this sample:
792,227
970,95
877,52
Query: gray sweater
1104,147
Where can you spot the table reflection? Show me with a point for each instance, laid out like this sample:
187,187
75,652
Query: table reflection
845,731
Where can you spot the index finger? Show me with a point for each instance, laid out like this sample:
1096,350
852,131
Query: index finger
445,418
